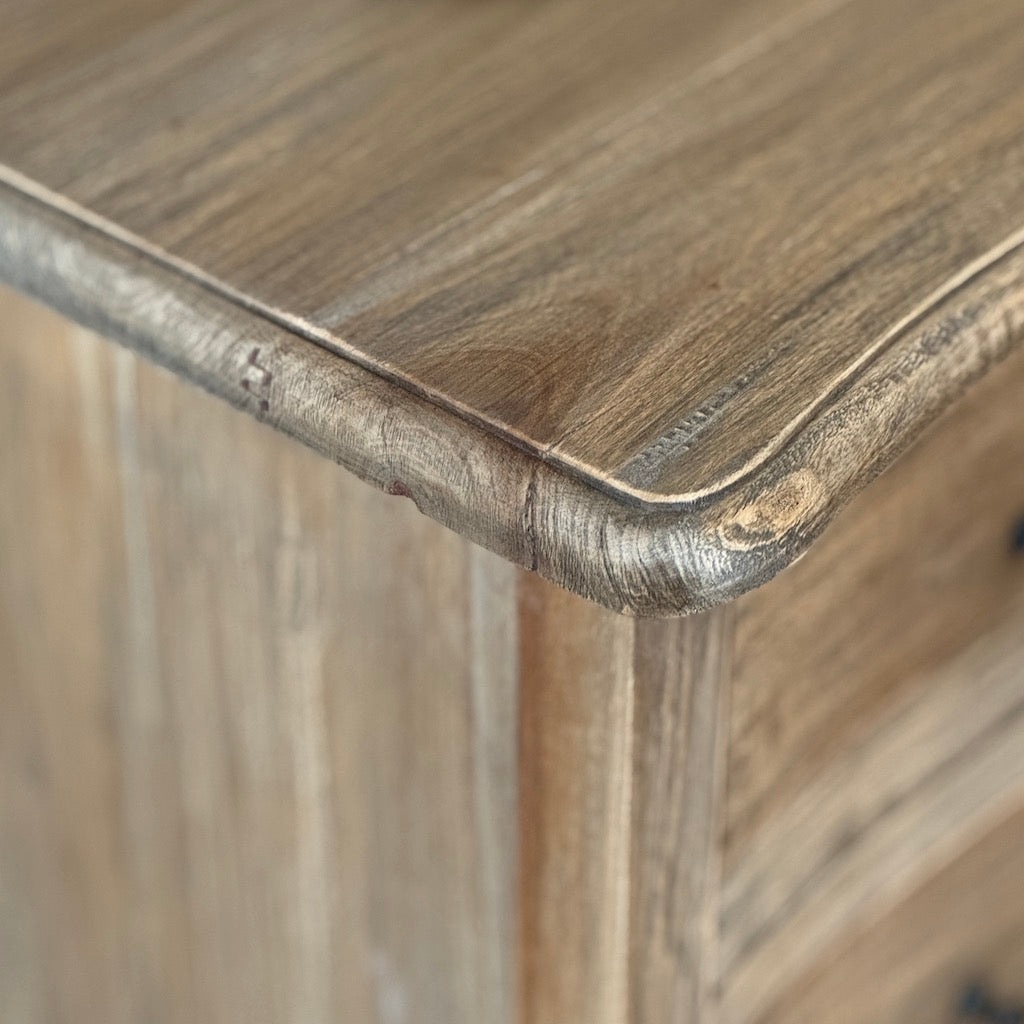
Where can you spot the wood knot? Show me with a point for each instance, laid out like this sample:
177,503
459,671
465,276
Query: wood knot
773,513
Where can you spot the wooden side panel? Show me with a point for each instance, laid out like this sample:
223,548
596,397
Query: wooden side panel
257,721
65,902
620,741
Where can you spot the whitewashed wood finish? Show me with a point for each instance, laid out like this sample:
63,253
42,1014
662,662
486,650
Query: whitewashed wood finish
257,721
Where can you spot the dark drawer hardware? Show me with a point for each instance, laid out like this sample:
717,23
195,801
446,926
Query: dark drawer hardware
1017,537
977,1003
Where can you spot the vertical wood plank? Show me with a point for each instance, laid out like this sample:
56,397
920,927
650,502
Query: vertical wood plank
575,816
257,720
621,758
682,668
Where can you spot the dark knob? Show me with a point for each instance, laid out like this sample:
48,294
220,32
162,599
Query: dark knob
974,1002
977,1004
1017,536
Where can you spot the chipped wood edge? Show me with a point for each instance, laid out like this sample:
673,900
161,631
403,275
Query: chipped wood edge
641,561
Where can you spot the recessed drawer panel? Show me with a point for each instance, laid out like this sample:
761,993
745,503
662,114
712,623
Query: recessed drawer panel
877,712
953,951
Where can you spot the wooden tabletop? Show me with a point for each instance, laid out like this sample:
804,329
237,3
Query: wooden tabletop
637,294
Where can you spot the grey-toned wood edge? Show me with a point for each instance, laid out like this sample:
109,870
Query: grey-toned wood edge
636,560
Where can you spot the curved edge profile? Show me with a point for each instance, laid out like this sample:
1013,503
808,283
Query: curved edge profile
630,559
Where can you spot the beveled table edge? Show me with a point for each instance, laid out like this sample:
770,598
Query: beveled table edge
632,558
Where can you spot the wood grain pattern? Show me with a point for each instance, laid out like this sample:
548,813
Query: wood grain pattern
912,572
644,561
678,252
879,823
891,807
273,746
966,924
257,722
562,247
875,727
621,783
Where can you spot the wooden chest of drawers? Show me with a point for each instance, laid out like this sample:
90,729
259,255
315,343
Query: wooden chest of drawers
261,720
698,326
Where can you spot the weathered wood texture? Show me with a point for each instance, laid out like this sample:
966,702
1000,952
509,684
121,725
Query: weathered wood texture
649,562
876,728
620,788
275,747
257,721
964,925
726,252
645,241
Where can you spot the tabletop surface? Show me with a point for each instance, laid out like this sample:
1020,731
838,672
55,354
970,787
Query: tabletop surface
649,244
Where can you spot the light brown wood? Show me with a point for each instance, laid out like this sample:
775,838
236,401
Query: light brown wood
916,569
635,296
648,562
711,267
257,721
895,804
621,746
275,746
965,925
617,250
875,728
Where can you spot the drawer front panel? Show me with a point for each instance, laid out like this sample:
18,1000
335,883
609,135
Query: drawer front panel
876,719
951,952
